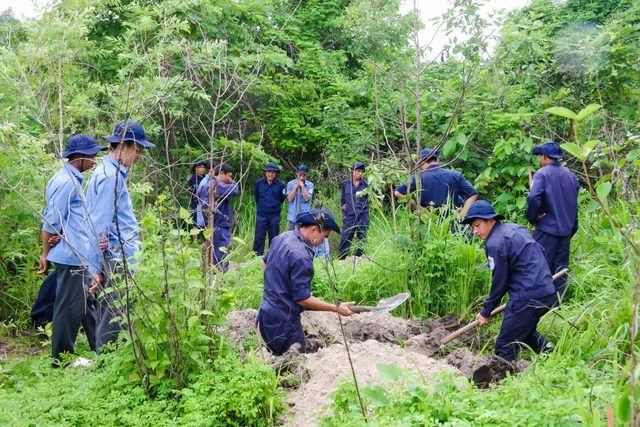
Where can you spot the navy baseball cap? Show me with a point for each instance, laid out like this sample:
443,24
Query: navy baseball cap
483,210
271,167
314,217
129,131
428,154
302,169
551,149
82,144
358,165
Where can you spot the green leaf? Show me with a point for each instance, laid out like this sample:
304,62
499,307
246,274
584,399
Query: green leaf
587,111
573,149
592,207
377,395
603,191
562,112
206,313
184,214
505,197
449,147
588,147
391,372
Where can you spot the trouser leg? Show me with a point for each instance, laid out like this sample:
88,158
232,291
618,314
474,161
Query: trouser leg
90,320
111,309
361,232
346,238
561,261
273,225
69,308
279,335
221,239
260,235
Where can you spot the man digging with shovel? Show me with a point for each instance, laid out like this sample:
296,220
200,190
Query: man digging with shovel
518,266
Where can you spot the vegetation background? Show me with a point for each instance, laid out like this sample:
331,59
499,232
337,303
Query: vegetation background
325,82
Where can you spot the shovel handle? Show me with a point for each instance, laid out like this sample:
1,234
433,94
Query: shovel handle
361,308
452,336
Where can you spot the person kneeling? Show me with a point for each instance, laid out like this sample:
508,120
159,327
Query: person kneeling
288,272
519,268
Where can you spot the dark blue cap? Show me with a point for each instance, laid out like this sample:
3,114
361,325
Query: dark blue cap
129,131
358,165
302,169
82,144
551,149
314,217
481,209
271,167
428,154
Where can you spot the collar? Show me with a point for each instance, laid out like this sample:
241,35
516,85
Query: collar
433,166
301,238
112,161
556,163
75,172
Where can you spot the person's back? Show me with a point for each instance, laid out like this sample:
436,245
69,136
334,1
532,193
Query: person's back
442,187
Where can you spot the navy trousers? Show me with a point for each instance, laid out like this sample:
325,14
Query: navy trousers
264,225
111,311
74,306
221,239
353,226
519,326
279,335
557,251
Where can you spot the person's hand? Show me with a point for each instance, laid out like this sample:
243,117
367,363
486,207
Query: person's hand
97,280
103,243
53,240
43,266
482,321
344,207
344,308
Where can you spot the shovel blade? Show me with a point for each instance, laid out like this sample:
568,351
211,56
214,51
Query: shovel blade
388,304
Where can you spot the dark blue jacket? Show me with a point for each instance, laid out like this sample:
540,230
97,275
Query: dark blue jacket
438,185
221,206
518,266
194,181
355,205
269,198
554,193
288,275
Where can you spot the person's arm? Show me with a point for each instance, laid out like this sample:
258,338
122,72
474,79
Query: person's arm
263,266
575,222
291,193
313,303
467,204
499,282
43,268
226,190
470,194
306,195
535,199
256,193
101,214
55,213
343,198
283,192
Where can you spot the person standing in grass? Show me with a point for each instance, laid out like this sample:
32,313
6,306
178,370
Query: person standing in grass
65,216
355,211
215,198
553,208
518,267
269,193
112,217
199,169
288,272
299,194
439,187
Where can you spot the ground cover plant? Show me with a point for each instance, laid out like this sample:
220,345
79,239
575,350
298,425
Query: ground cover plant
324,83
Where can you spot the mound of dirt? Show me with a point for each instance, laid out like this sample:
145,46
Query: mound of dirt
241,323
329,365
484,370
426,344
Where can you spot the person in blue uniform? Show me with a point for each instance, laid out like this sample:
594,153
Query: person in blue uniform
65,216
199,169
440,187
553,208
288,272
519,268
215,198
299,194
269,193
204,181
355,211
112,217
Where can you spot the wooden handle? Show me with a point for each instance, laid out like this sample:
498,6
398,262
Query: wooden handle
361,308
452,336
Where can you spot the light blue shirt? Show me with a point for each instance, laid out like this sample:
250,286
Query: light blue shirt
66,215
199,217
298,205
102,197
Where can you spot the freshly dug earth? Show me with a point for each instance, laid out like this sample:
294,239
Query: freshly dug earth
329,365
484,370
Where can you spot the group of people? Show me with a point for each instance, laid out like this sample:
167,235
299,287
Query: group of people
521,264
92,238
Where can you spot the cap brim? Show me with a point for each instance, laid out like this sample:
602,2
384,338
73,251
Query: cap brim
88,151
331,225
469,220
114,139
270,169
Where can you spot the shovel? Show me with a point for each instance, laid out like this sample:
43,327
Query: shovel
455,335
384,306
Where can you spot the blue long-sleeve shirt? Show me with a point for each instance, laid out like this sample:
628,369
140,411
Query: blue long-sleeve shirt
439,186
554,193
299,205
65,214
108,197
221,205
518,266
288,275
199,216
269,197
355,205
194,183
